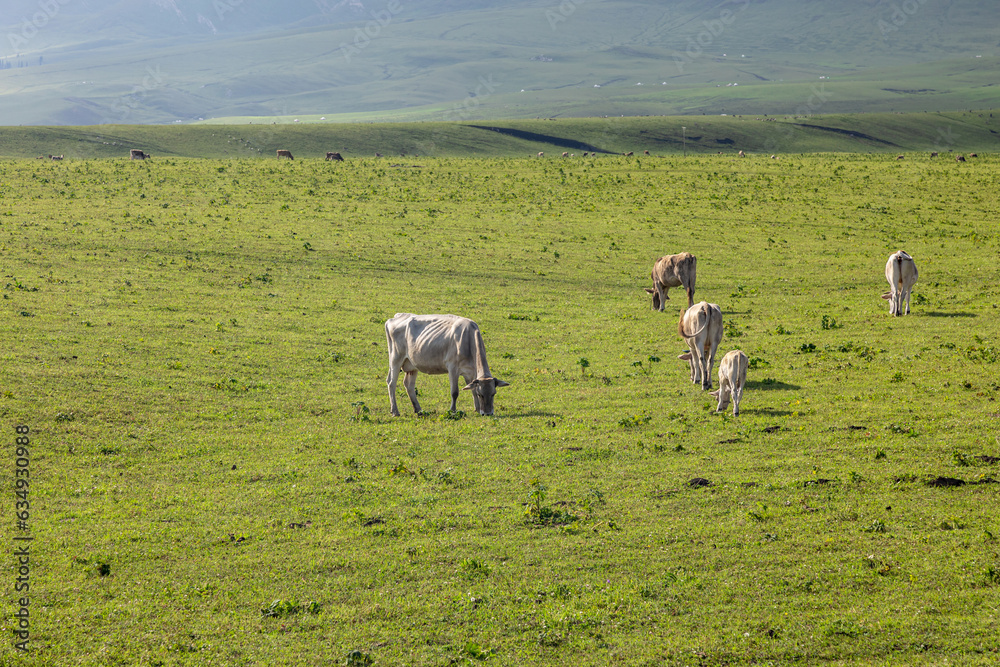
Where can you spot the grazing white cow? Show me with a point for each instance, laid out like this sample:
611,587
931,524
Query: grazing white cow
901,272
732,378
438,344
701,328
672,271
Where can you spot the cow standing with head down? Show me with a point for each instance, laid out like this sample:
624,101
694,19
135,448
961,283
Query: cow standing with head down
901,272
732,379
438,344
701,328
673,271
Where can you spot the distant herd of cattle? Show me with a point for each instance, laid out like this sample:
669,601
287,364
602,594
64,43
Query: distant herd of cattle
138,154
439,344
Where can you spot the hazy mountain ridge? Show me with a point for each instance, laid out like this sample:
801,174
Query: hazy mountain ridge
101,61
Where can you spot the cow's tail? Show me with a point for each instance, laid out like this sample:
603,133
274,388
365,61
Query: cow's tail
680,325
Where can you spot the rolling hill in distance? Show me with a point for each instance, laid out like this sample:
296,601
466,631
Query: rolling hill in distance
90,62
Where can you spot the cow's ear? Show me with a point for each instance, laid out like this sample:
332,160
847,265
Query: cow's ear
501,383
470,386
714,394
650,290
684,357
887,296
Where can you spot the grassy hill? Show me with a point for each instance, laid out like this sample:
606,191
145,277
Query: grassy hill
433,60
887,132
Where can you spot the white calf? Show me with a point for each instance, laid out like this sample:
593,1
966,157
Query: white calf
732,378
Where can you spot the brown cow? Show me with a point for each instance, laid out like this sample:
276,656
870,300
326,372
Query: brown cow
281,152
973,154
672,271
960,158
136,154
336,157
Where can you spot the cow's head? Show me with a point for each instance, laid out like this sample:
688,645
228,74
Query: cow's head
483,390
656,298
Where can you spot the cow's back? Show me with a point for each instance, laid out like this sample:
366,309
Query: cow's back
675,270
434,343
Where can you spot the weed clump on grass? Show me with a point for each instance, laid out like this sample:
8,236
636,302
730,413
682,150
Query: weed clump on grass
538,514
361,412
634,421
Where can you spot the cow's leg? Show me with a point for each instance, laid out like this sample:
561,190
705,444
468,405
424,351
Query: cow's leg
391,381
709,362
696,364
690,293
907,295
410,382
453,379
737,397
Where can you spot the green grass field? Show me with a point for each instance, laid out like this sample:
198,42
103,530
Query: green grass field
977,130
197,347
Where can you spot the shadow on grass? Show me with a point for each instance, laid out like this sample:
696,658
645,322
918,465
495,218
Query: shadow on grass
530,413
768,383
936,313
766,411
